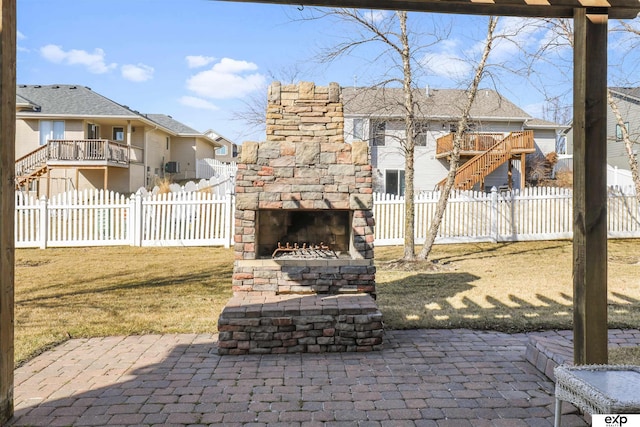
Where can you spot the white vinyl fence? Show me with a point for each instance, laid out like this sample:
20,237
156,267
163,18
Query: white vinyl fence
201,218
222,175
99,218
537,213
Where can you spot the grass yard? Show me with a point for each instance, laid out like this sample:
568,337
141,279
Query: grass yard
509,287
86,292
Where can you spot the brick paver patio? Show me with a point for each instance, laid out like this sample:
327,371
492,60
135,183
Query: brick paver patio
421,378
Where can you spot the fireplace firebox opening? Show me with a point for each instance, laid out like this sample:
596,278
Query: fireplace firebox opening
322,231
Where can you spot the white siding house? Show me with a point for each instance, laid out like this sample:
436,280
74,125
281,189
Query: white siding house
69,137
628,102
377,115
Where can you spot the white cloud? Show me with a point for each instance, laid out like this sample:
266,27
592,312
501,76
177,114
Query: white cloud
53,53
536,109
226,79
376,15
19,37
94,62
447,65
514,35
202,104
197,61
228,65
137,73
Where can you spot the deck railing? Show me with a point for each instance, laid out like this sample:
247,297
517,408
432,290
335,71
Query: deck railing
32,161
470,142
88,150
478,142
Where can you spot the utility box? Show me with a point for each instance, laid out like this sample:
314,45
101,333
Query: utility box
172,167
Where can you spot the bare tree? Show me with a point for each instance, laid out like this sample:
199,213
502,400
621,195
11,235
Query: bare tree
409,145
455,156
562,29
399,47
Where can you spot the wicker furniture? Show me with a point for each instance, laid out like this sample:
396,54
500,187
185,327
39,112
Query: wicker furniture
598,389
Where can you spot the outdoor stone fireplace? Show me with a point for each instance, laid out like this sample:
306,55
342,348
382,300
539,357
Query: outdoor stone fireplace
308,193
303,277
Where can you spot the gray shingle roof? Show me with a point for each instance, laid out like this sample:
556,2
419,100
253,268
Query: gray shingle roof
633,92
440,103
539,123
172,124
25,102
80,101
72,100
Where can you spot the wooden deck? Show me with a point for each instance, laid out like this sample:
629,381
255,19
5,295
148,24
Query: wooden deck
487,151
82,153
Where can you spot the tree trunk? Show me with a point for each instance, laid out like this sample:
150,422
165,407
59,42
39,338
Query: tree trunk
455,156
409,122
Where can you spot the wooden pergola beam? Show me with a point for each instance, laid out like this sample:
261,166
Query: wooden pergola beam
619,9
7,201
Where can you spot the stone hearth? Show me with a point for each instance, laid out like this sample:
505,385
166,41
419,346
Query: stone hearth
268,323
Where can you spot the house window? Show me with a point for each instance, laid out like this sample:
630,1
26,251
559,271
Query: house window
379,133
420,139
167,143
118,134
51,129
358,129
221,151
619,136
394,182
93,131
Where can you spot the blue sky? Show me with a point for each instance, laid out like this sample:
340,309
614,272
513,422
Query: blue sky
199,60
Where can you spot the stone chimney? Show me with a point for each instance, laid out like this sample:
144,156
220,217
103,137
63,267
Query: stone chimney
304,113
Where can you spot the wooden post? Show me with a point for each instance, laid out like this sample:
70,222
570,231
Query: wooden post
7,201
590,187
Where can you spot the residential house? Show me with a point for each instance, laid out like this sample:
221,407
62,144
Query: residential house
627,100
500,136
228,151
70,137
187,146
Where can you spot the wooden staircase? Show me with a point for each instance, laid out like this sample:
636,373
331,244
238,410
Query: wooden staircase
30,167
480,166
